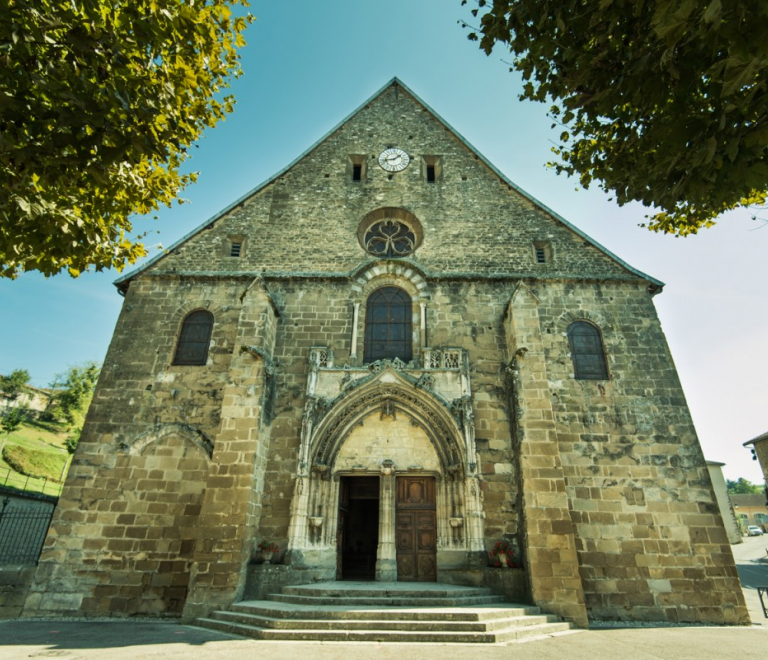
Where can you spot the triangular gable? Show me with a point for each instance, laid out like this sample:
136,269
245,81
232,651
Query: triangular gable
655,285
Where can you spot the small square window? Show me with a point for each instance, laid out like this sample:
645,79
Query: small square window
234,246
542,252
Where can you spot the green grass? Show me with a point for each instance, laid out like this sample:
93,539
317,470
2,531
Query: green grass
33,463
34,456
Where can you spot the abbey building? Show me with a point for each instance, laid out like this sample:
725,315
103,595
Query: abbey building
386,360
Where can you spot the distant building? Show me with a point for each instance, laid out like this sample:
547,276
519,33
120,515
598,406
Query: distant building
33,399
752,509
759,446
724,501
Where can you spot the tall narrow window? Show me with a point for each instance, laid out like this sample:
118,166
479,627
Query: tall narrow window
388,325
587,351
356,167
432,168
194,338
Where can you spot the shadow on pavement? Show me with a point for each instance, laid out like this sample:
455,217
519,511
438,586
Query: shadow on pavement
102,634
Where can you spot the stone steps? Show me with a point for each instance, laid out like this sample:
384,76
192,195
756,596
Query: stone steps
280,610
380,612
511,633
385,601
373,590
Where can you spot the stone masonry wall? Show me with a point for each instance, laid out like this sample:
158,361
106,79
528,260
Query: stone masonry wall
123,535
182,469
650,537
459,315
308,218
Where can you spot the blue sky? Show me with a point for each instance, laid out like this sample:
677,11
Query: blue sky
309,64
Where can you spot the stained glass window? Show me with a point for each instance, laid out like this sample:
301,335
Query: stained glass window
388,325
587,351
194,339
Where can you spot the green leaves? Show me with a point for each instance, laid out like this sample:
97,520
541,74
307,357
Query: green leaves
665,101
99,103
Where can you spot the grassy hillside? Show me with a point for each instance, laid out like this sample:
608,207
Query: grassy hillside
34,457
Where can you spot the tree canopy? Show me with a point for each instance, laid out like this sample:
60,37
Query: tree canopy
663,102
742,487
70,403
14,384
99,102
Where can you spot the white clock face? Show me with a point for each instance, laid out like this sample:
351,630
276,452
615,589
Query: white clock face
394,160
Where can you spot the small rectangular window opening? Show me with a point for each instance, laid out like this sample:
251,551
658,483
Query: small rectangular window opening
541,255
357,172
432,168
235,249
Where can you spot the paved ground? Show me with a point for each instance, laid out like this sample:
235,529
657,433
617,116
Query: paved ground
137,640
142,640
752,563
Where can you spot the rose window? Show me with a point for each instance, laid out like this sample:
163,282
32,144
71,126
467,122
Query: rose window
390,238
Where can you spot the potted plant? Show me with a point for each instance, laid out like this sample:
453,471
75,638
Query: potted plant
502,555
267,550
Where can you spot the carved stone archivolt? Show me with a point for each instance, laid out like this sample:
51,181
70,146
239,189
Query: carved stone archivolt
385,394
401,395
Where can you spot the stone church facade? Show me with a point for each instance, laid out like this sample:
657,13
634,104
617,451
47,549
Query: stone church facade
385,359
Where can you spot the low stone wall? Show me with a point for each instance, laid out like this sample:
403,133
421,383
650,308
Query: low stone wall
509,582
14,587
264,579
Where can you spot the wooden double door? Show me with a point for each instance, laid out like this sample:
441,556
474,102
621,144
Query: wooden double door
416,529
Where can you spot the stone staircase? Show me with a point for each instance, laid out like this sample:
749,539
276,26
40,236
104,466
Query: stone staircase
385,612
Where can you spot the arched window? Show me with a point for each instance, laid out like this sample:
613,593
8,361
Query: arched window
587,351
388,325
194,338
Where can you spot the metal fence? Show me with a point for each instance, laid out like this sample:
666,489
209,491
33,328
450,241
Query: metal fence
22,533
12,479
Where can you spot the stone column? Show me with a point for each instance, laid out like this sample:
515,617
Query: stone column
386,558
550,539
423,325
355,317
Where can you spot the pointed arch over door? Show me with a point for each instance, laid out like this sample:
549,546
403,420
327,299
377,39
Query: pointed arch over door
388,331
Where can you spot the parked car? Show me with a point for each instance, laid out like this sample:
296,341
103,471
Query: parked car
754,530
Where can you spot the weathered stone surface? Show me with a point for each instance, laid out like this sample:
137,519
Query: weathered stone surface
181,470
